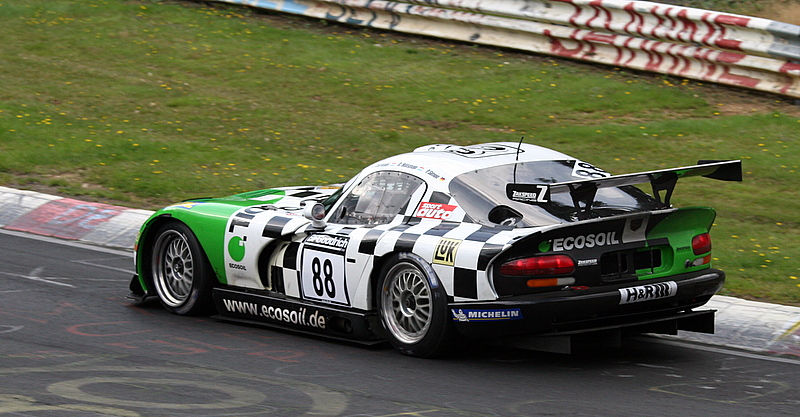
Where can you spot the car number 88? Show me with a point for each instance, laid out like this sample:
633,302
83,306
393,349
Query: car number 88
318,269
323,277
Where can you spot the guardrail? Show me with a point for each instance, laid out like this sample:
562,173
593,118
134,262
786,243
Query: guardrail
686,42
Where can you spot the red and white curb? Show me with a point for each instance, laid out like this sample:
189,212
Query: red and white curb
66,218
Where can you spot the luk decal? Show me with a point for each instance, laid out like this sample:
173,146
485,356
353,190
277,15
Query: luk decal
647,292
300,316
468,315
580,242
445,252
438,211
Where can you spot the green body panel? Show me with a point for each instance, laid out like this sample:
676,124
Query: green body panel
208,219
679,228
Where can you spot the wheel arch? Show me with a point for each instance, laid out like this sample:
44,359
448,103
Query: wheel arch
146,241
380,261
144,251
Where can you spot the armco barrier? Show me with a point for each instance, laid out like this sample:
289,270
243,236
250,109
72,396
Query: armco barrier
686,42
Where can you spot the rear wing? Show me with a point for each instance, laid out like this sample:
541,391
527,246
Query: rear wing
664,180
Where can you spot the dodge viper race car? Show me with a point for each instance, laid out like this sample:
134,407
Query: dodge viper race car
505,241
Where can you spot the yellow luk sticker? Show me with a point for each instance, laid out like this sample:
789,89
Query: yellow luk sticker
445,253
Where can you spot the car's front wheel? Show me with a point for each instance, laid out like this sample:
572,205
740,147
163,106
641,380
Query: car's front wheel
413,307
182,275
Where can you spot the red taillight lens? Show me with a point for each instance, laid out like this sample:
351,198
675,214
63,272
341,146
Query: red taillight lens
539,265
701,244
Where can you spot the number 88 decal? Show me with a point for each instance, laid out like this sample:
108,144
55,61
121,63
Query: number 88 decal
323,276
328,286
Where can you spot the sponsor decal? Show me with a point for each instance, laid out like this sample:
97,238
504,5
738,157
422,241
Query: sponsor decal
528,193
591,240
647,292
300,316
545,246
337,243
428,210
236,248
445,252
504,314
587,262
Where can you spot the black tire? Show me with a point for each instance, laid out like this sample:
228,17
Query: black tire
182,275
413,307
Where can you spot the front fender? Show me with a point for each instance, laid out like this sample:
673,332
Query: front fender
206,219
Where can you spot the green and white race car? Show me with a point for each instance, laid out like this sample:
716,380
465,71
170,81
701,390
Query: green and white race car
500,240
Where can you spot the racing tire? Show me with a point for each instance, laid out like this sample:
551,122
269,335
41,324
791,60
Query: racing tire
413,307
182,274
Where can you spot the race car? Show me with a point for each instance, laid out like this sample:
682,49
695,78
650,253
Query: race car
505,241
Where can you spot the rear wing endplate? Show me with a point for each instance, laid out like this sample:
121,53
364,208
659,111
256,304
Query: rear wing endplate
583,192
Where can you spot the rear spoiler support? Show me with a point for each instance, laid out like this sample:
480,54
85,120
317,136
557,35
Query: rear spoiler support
583,192
665,183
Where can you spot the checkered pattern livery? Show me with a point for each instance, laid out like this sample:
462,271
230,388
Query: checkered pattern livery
464,276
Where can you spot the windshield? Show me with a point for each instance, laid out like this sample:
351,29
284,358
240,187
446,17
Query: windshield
482,194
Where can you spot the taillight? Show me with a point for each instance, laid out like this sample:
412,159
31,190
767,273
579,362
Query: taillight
701,244
539,265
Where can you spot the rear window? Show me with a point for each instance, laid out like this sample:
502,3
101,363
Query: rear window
482,194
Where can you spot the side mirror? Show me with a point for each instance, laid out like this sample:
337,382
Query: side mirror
316,213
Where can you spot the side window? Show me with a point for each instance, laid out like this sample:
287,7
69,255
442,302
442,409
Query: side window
378,198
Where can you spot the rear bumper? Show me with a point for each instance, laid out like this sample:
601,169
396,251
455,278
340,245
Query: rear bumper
596,309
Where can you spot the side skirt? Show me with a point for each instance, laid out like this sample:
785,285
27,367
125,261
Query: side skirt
274,311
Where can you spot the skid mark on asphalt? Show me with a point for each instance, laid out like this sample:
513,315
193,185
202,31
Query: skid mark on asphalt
729,392
22,404
215,390
237,396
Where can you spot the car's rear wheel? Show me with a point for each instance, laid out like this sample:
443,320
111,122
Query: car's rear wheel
413,307
182,275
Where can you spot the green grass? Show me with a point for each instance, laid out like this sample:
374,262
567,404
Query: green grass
143,103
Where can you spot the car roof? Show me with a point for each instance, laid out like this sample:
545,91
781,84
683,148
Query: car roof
440,163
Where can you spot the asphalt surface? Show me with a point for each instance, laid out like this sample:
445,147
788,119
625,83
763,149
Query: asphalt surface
72,345
741,324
